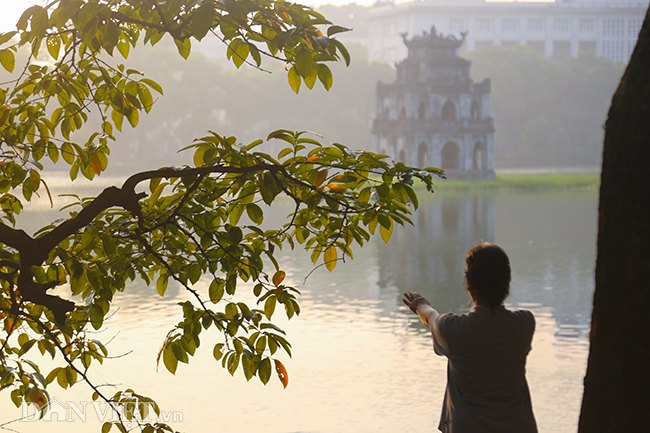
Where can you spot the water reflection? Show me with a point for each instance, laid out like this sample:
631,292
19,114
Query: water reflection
429,257
361,359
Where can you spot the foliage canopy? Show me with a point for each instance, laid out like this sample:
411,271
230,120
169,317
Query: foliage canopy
192,223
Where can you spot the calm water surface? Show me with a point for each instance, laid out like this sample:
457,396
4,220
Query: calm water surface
362,362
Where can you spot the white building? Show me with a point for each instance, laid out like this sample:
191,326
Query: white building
557,30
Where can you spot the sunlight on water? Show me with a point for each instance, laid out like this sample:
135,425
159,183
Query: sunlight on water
362,362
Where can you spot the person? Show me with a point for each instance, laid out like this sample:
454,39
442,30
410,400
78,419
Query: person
486,351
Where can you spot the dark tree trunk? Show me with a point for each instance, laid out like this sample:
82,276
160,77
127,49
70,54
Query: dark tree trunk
617,385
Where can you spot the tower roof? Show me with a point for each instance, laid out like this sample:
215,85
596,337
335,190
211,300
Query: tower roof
434,40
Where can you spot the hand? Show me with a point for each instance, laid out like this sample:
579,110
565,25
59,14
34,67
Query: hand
414,300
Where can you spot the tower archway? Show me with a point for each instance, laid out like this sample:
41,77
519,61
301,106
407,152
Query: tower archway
423,155
478,157
449,110
475,111
422,111
450,156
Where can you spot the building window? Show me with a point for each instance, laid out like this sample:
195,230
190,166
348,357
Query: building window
484,26
587,26
614,28
457,25
587,46
634,27
561,26
535,25
509,25
617,51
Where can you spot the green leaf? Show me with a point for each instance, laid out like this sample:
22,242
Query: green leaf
68,153
255,213
184,47
161,285
294,79
311,79
179,352
332,30
145,97
269,306
62,378
6,37
53,152
106,427
202,19
216,290
170,359
325,76
54,46
264,370
217,352
235,235
238,51
40,21
8,59
152,84
304,62
412,195
236,212
343,50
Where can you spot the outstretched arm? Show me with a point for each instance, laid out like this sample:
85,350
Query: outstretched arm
420,306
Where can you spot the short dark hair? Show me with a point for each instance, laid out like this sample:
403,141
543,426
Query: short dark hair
487,268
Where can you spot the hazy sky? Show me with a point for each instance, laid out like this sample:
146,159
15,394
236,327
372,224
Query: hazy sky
10,10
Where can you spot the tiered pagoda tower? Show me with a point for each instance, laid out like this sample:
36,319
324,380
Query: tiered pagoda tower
434,115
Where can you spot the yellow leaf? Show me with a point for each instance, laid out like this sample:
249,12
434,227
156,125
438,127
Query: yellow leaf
96,164
278,277
330,257
282,373
320,178
386,233
336,189
37,397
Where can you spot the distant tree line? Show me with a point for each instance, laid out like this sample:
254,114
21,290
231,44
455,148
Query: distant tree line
546,113
202,95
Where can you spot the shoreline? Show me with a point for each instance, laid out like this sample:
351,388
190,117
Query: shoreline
523,181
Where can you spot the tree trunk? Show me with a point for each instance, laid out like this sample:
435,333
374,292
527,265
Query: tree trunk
617,385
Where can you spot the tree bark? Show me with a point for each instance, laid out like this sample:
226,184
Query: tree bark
617,384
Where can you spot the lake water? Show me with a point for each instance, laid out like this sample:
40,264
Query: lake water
362,361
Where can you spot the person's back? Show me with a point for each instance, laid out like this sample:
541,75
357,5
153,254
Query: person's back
486,385
486,348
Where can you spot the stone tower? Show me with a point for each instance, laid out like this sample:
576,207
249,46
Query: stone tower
434,115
